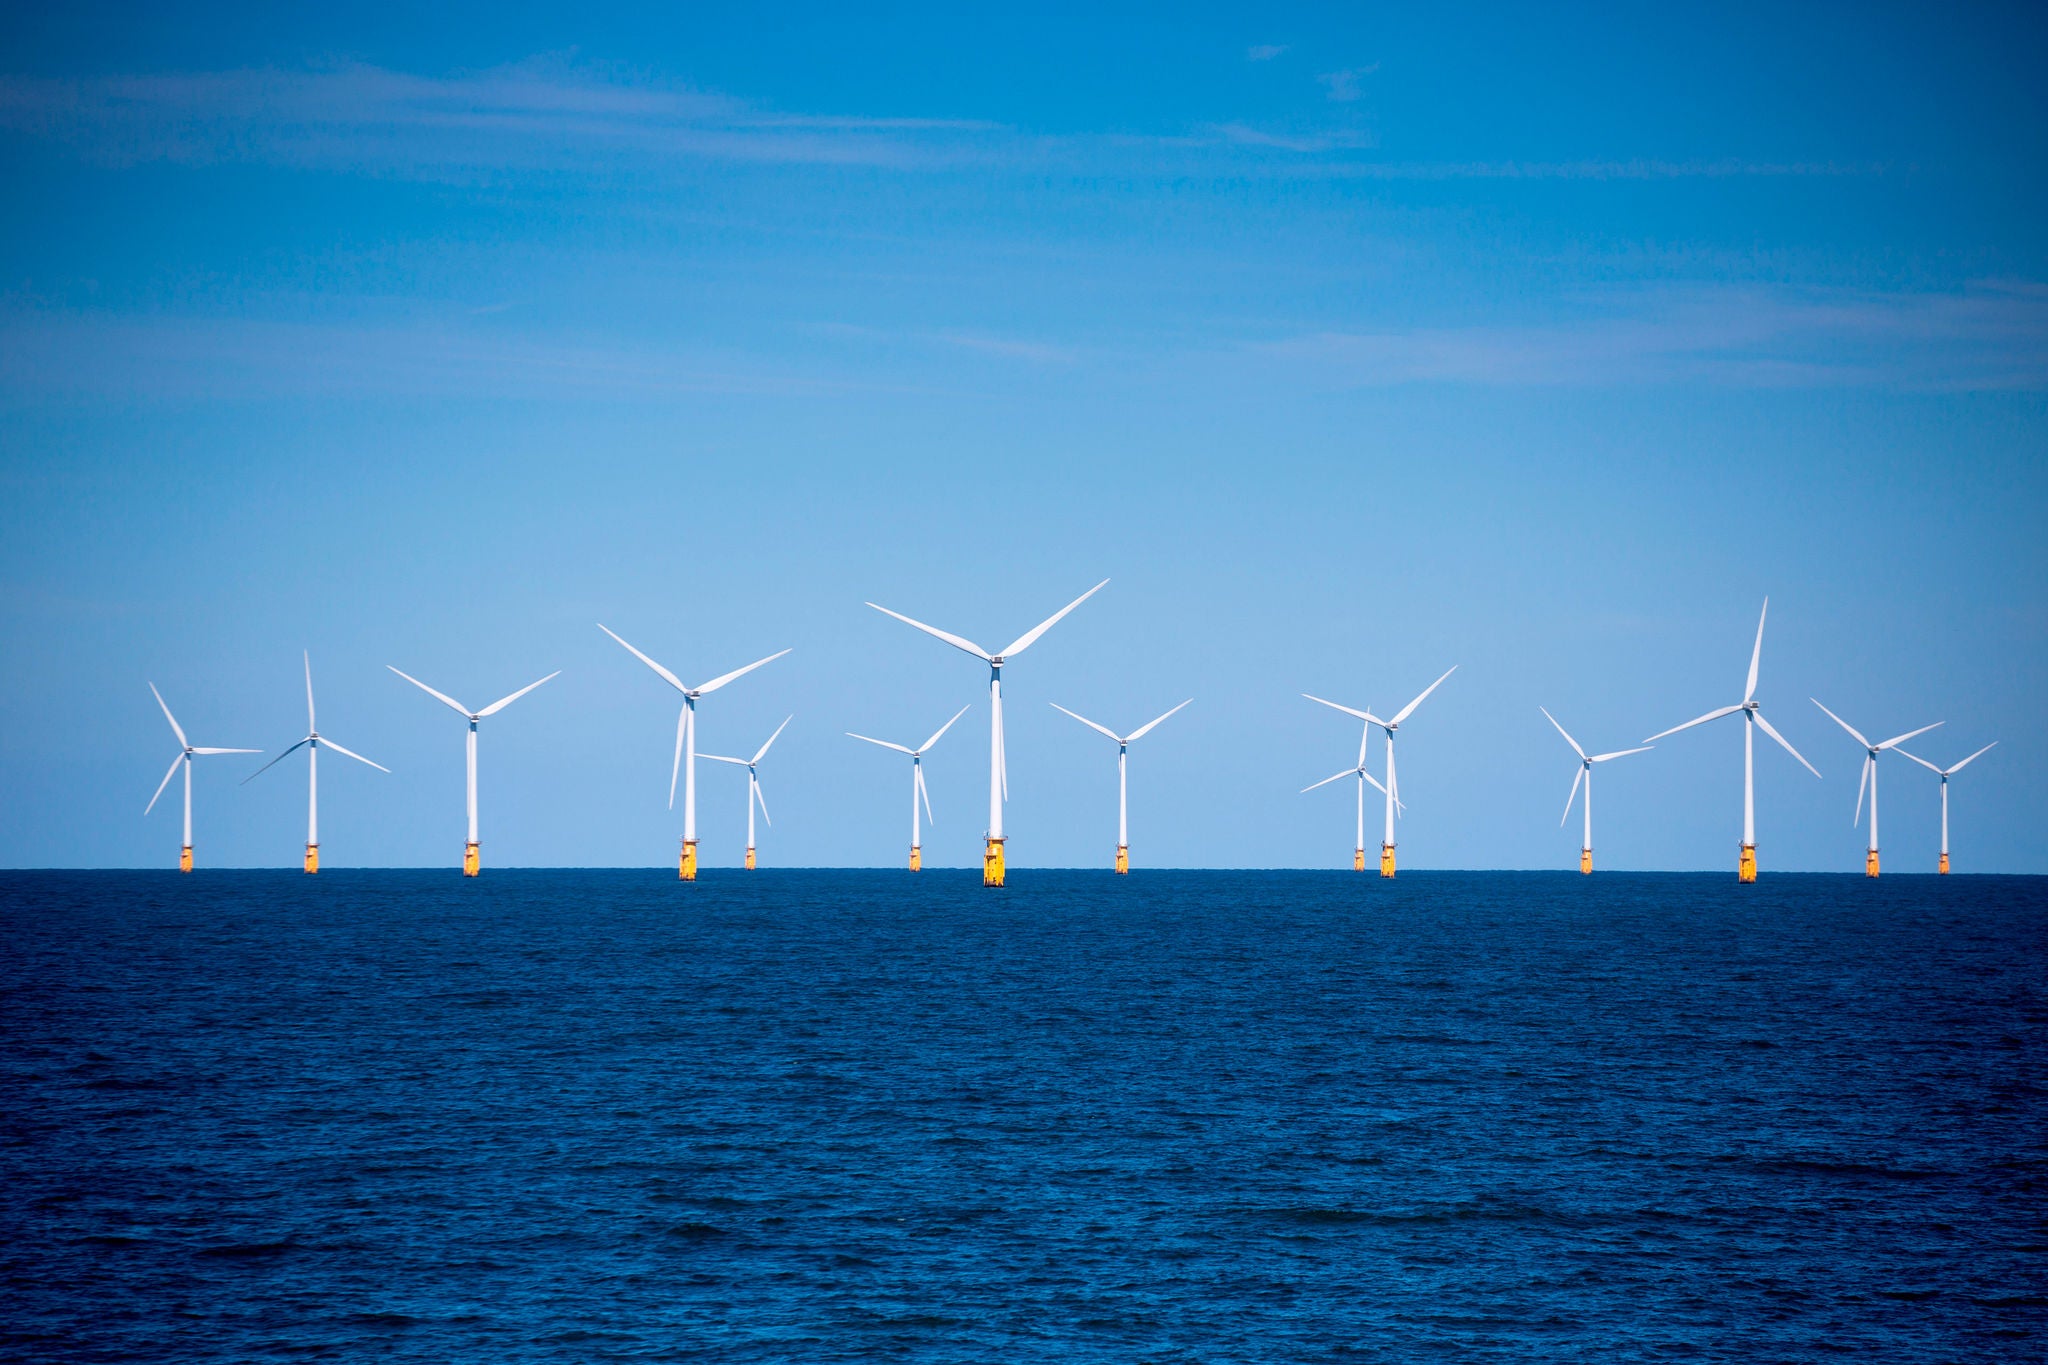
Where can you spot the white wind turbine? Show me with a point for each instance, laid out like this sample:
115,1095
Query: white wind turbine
1584,773
313,743
472,858
1944,774
185,752
917,787
1123,743
1393,785
1868,778
754,785
1357,853
992,863
686,745
1752,718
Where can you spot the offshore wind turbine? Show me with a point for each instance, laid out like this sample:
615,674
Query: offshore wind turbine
1944,774
992,865
754,785
313,743
1123,743
1585,773
1393,785
472,858
1869,777
1357,853
917,787
686,745
1752,718
186,750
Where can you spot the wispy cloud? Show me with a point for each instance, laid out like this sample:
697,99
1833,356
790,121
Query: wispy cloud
1264,52
1344,86
1991,336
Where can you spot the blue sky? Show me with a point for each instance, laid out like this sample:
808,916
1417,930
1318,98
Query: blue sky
1349,343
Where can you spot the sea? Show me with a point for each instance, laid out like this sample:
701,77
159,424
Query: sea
868,1115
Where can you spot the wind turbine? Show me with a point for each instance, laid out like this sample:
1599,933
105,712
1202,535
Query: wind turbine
185,752
1358,853
313,743
1944,773
1869,777
1585,773
1123,743
992,867
917,787
1752,718
686,739
472,859
753,785
1393,786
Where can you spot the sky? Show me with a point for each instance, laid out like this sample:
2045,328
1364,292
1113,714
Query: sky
1349,343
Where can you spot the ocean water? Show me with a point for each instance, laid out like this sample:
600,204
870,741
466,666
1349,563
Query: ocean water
811,1115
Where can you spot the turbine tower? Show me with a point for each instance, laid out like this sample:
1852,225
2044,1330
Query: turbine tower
992,867
1752,719
1944,774
313,743
1393,786
472,857
754,785
1584,773
917,787
185,752
686,739
1123,743
1358,852
1869,777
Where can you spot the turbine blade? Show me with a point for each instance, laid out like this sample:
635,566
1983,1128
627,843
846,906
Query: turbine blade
1024,641
1364,736
1756,655
1959,767
926,794
1929,766
1373,780
943,728
1362,715
676,770
311,726
883,742
722,758
1099,729
1348,772
504,702
762,752
1574,796
1784,743
442,697
1618,753
1409,709
954,640
1140,732
227,751
1862,781
176,729
165,783
671,679
350,753
1854,733
1900,739
1711,715
1560,729
724,678
1003,754
756,794
275,761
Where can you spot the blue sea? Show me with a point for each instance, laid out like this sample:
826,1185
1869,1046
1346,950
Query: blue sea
817,1115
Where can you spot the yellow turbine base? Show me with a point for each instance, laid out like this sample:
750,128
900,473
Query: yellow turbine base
992,863
686,863
1870,863
750,860
1745,869
185,859
312,857
1943,869
916,858
472,860
1358,860
1123,859
1386,860
1586,861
